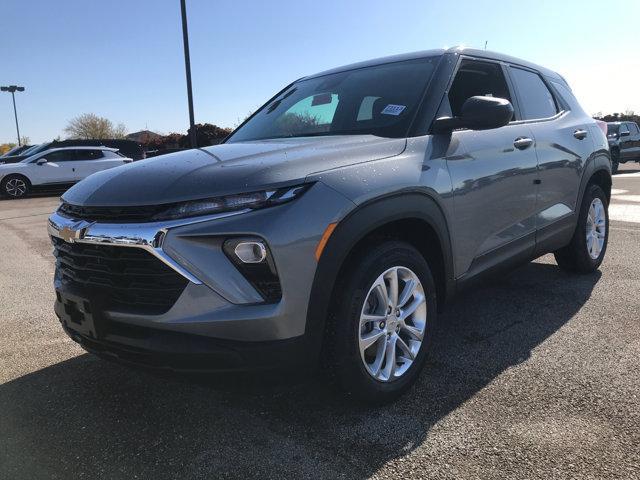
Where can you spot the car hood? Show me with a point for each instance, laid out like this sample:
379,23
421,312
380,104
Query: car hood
12,159
227,168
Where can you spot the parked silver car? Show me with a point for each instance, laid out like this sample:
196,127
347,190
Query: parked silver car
333,225
56,167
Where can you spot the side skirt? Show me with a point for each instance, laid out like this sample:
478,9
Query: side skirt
546,240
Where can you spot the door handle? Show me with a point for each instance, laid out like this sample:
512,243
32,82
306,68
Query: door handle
522,142
580,134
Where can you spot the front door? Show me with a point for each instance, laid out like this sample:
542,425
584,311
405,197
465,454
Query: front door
58,169
493,177
631,150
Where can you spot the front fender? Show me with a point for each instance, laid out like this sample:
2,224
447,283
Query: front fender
362,220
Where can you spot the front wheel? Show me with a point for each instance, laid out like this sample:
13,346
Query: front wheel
615,161
589,243
15,186
384,322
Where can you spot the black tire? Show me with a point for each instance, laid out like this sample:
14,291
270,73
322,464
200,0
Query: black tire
575,257
9,184
615,161
343,362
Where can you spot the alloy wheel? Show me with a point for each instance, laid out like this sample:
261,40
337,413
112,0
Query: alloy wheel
596,228
392,324
15,187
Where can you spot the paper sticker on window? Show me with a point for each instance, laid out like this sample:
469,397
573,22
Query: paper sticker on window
393,109
321,99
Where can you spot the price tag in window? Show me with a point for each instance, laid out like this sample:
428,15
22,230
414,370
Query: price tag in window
393,109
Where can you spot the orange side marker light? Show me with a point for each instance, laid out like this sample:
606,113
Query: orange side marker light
325,238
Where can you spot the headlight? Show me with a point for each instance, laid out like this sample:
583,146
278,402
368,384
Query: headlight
230,203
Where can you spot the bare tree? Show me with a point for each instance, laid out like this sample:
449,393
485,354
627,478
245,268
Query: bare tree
291,124
119,131
90,125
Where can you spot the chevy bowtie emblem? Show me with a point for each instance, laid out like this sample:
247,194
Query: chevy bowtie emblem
70,235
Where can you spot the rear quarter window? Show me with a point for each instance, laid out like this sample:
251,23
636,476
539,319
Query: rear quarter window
89,154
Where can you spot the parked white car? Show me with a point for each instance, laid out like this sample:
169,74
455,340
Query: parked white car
56,167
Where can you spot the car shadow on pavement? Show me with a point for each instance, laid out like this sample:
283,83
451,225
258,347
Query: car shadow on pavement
89,417
627,170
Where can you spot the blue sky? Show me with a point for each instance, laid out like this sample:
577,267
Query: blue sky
122,59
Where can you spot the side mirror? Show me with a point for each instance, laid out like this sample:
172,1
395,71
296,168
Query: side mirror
625,134
478,113
41,161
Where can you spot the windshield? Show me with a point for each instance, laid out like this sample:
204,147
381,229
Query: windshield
612,128
380,100
11,152
36,149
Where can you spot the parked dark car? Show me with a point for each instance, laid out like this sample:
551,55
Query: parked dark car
18,157
17,150
335,223
624,143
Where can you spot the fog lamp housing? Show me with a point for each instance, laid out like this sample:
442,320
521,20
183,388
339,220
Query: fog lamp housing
252,258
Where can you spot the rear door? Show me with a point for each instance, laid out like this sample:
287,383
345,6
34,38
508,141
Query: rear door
561,133
96,160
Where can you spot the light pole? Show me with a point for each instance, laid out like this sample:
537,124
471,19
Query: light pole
187,66
13,89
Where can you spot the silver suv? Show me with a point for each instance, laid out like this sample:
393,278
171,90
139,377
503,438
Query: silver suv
335,223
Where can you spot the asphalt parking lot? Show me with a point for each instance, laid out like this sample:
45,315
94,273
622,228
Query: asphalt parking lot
533,376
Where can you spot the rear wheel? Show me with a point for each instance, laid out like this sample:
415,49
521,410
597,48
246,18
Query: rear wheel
15,186
589,243
381,330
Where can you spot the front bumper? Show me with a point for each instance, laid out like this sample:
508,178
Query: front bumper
170,350
218,308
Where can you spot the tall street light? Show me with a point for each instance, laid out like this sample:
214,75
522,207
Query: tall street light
187,66
13,89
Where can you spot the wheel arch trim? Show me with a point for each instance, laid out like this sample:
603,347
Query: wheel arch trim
15,174
364,219
599,162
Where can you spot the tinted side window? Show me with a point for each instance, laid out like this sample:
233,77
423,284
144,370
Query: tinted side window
61,156
633,128
535,98
89,154
623,127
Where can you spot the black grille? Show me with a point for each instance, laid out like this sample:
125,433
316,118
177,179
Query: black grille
264,281
143,213
120,278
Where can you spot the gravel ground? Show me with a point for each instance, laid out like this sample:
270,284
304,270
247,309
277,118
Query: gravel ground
534,376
